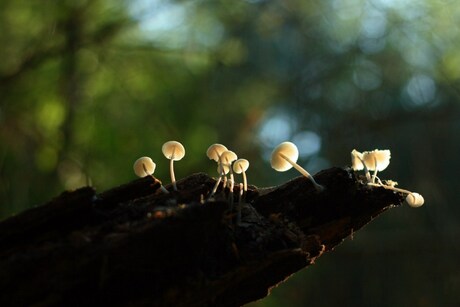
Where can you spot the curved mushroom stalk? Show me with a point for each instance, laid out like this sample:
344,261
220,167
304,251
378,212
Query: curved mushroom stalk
213,153
413,199
285,156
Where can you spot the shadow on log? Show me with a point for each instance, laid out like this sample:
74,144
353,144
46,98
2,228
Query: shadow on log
135,245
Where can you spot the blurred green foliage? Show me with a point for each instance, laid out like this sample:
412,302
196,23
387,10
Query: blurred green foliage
86,87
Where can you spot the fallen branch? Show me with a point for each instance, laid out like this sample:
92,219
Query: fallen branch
134,245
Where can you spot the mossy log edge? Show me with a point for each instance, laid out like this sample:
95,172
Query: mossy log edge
134,245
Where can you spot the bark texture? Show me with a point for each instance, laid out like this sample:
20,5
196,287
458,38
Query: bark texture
134,245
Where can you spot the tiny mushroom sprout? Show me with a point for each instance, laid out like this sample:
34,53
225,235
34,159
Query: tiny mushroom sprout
174,151
285,156
415,200
144,166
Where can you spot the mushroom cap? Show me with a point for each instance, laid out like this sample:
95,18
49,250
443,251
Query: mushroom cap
228,156
144,166
381,156
356,158
173,150
240,165
215,150
287,149
415,200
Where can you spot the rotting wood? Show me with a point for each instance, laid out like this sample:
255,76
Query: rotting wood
134,245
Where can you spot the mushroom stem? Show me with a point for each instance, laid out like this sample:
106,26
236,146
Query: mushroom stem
221,174
245,181
232,184
375,171
366,170
171,170
240,200
214,189
413,199
163,189
389,188
301,170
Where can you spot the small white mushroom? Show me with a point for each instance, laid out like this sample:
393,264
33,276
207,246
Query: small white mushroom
240,166
213,153
413,199
357,162
144,166
174,151
285,156
376,160
226,159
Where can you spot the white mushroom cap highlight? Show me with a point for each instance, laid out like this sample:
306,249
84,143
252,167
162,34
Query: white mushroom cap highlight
240,166
285,156
144,166
214,151
227,157
173,150
280,153
415,200
356,160
377,159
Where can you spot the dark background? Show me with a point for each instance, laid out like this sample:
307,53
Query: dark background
87,87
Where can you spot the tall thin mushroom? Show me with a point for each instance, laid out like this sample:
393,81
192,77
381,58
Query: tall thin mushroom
240,166
226,159
213,153
174,151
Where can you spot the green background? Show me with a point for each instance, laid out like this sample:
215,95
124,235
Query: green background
87,87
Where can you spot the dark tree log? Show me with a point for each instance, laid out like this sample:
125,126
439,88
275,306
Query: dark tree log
134,245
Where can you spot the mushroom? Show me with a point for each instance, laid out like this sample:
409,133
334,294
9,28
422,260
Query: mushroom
240,166
213,153
144,166
376,160
226,159
285,156
174,151
222,170
413,199
357,162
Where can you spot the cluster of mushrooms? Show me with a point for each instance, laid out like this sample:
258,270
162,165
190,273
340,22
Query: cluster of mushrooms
284,157
378,160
